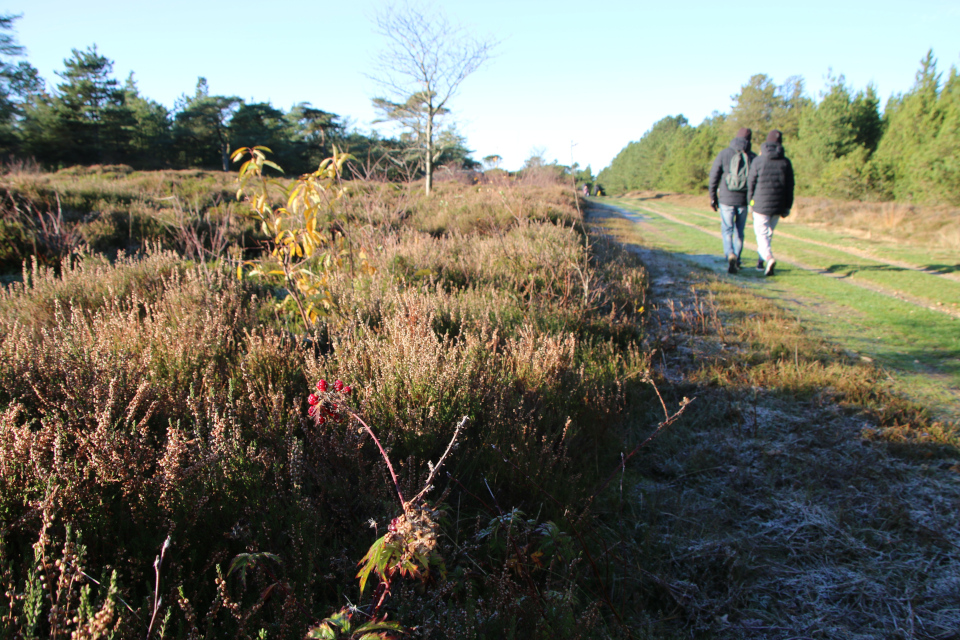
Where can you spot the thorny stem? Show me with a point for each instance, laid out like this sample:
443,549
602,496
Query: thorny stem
386,458
666,414
433,472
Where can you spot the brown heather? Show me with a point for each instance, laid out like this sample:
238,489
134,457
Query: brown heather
149,396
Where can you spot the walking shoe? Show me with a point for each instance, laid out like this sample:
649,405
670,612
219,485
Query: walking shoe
732,264
770,264
760,264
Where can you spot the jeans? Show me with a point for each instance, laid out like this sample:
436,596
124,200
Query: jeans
732,222
763,226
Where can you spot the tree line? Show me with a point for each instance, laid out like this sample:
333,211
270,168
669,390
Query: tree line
842,145
90,117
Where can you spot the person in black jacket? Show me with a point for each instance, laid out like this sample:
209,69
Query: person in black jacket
770,193
728,192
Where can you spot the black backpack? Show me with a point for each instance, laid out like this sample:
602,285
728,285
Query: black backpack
737,175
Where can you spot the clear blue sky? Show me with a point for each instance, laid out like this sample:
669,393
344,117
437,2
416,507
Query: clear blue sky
576,80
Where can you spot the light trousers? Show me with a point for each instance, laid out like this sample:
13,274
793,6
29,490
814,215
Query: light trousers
763,226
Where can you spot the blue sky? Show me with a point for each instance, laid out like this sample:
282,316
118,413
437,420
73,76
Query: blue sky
574,80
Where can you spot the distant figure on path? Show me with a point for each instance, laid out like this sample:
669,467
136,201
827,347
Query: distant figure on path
728,191
770,191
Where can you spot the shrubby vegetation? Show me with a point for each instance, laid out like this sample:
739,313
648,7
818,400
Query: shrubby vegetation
151,396
841,145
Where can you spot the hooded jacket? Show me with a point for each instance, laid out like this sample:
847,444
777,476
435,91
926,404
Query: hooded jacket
770,182
720,169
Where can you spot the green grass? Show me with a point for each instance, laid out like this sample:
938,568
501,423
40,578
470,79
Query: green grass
789,241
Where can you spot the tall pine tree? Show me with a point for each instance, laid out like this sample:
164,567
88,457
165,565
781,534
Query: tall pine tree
93,121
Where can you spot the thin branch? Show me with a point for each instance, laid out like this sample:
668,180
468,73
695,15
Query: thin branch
670,419
433,471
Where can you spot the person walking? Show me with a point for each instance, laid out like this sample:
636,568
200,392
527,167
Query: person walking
728,192
770,193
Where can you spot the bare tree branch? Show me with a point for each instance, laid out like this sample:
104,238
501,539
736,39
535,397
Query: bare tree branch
421,68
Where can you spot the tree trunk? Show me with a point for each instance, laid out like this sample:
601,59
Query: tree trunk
225,155
429,158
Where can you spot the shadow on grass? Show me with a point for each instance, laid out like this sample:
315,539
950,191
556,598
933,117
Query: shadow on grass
942,268
850,269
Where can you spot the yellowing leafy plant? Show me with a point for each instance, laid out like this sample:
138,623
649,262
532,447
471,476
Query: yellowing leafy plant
301,231
340,627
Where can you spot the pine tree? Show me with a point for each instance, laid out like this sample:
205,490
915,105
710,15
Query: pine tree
913,120
691,154
150,132
94,122
936,166
260,123
761,106
202,128
311,133
640,164
18,82
836,140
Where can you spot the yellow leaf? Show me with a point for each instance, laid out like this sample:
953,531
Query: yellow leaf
239,272
273,164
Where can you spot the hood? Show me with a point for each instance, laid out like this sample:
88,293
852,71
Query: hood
771,150
740,144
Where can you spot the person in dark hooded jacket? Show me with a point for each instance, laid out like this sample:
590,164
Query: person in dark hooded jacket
770,193
732,202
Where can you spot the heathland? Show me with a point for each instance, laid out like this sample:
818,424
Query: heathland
237,405
639,448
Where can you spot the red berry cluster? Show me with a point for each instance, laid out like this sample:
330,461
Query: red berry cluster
322,408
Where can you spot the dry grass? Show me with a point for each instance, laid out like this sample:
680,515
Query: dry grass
113,209
925,225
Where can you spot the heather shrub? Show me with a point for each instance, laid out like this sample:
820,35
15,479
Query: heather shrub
150,396
116,211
